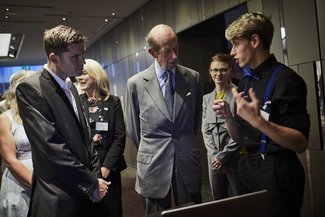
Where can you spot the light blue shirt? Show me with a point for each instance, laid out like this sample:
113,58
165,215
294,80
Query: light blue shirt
162,77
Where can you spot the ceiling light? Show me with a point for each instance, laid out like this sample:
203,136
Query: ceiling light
106,20
6,17
10,44
4,44
113,14
7,9
64,19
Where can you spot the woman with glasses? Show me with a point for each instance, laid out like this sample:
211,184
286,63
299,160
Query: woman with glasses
223,153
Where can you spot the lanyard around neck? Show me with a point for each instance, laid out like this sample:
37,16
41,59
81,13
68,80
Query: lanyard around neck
265,107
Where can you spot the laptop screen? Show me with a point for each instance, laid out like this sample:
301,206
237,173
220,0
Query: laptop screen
246,205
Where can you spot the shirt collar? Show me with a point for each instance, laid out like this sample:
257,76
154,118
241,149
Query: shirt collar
160,72
265,66
63,84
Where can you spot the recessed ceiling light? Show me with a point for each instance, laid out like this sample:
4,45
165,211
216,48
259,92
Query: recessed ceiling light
113,14
4,44
7,9
10,44
64,19
106,20
6,17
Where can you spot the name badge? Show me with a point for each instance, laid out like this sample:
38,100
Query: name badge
265,115
102,126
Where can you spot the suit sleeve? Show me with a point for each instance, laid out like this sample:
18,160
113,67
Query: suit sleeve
199,99
206,131
54,163
231,146
117,148
132,113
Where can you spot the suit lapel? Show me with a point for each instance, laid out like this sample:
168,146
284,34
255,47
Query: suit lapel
210,115
57,88
82,117
151,85
60,92
107,107
181,91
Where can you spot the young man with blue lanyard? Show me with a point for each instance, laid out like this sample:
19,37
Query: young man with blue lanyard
271,119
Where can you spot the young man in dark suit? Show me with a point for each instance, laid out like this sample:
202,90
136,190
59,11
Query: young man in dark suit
64,182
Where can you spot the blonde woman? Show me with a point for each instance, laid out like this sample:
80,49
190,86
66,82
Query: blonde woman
16,154
223,153
108,133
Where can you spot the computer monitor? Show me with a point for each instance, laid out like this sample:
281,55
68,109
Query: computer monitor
246,205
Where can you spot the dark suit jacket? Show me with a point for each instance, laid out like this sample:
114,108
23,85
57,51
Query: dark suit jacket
62,155
112,156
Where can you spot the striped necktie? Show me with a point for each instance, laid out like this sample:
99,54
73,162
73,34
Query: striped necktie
169,93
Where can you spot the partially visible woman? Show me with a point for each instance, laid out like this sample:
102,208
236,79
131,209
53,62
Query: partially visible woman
16,154
108,132
223,153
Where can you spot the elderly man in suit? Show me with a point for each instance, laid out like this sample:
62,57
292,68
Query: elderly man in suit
64,182
163,111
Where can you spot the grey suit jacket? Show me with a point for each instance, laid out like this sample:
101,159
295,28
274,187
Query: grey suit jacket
159,138
216,138
63,160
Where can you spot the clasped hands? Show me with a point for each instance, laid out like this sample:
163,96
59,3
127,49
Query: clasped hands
100,191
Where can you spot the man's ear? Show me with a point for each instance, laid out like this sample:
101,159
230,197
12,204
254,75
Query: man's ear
152,52
54,58
255,40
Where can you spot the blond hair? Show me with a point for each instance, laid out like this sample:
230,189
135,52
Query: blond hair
251,23
96,72
10,95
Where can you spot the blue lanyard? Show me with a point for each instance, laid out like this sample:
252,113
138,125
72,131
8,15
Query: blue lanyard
266,99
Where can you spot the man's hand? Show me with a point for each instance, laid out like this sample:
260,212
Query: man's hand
105,172
100,192
221,109
249,111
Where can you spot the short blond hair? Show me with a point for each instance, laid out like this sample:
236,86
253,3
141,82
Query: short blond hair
252,23
97,72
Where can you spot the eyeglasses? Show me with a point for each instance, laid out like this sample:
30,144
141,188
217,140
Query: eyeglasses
222,71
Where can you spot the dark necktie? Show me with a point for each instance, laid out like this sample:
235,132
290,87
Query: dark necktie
169,93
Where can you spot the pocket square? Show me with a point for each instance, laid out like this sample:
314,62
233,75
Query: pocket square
188,94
